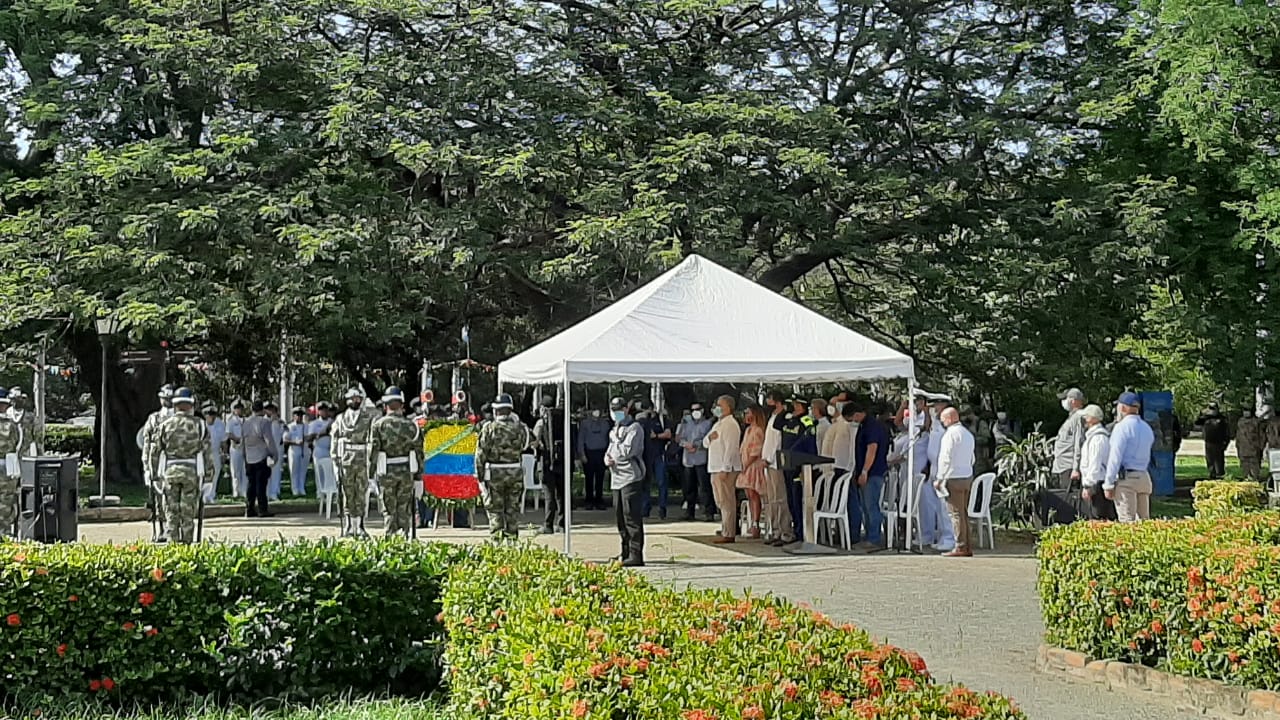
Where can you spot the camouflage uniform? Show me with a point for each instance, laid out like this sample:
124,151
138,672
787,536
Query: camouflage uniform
350,433
1273,433
395,436
181,439
11,440
502,442
1250,437
154,474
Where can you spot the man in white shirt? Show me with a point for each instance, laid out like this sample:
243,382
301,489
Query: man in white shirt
1093,463
782,529
955,477
318,438
217,439
935,523
278,430
235,446
295,438
724,462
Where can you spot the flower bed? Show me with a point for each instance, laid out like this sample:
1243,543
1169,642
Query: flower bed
532,635
145,623
1221,498
1195,597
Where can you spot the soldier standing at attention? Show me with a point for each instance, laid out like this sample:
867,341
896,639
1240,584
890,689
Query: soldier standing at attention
11,437
1250,437
350,433
1273,434
393,451
498,451
183,440
1217,433
153,474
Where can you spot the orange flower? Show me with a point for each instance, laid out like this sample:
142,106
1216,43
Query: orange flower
699,715
157,574
1155,604
753,712
128,627
598,670
789,689
42,571
13,620
569,684
641,665
62,650
1197,646
146,599
152,632
73,598
906,685
19,558
625,682
559,612
580,708
1157,627
831,699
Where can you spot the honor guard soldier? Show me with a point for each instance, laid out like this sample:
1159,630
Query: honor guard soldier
351,442
11,439
393,452
1251,436
152,475
183,441
499,467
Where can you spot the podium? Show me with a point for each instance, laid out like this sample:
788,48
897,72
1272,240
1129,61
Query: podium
804,462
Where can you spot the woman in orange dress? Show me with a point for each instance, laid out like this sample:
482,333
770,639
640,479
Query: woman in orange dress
752,478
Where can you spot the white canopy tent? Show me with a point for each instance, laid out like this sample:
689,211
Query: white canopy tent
700,322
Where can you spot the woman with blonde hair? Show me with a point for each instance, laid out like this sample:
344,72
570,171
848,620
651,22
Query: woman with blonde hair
753,478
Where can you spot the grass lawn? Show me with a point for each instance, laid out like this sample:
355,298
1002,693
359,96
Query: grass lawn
1190,468
397,709
135,495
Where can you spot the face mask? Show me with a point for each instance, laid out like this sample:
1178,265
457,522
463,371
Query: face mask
831,411
595,413
1001,416
1247,413
1066,404
696,414
619,415
717,411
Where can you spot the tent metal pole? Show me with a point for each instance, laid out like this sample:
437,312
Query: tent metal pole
568,468
911,461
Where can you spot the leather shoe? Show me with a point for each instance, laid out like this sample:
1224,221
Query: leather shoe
958,554
722,540
632,562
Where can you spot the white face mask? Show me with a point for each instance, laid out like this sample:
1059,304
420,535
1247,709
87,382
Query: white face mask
619,415
717,411
696,414
831,410
1066,404
595,413
1002,416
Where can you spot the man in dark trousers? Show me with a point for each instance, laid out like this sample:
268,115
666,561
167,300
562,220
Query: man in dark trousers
657,433
593,440
625,460
799,434
548,433
1217,433
259,445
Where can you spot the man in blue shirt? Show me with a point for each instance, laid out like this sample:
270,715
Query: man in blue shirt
1127,480
871,455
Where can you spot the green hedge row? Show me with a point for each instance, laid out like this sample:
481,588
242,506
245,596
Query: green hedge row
534,636
1195,597
69,440
241,622
1223,498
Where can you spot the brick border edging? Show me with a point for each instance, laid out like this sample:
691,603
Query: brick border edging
1206,696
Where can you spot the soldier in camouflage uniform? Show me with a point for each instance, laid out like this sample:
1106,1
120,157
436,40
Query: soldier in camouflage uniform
1250,437
151,474
393,455
350,433
20,413
498,466
11,440
183,440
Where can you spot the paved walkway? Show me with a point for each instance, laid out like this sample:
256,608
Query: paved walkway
976,622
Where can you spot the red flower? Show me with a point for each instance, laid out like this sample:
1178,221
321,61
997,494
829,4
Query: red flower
599,670
1157,627
753,712
95,686
917,662
699,715
625,682
1197,646
580,708
832,699
906,685
559,612
62,650
73,598
789,689
128,627
152,632
13,620
157,575
108,684
146,599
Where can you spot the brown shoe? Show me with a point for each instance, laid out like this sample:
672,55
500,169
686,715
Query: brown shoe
722,540
958,553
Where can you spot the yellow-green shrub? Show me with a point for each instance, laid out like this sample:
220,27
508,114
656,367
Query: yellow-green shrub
1220,498
534,636
1169,594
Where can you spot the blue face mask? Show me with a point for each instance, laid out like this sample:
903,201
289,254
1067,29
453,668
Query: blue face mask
717,411
619,415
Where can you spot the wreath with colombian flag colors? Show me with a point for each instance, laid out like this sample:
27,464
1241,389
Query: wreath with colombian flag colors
449,465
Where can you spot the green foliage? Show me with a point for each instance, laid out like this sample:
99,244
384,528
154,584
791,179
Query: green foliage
354,709
1023,467
535,635
1223,498
119,625
1195,597
69,439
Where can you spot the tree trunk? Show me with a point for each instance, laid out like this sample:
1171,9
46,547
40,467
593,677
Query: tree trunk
131,397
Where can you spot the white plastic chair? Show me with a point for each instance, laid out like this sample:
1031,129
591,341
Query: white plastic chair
980,507
326,489
891,506
531,483
836,511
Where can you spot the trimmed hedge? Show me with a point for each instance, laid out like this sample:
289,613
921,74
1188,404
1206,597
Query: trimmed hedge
144,623
1222,498
69,440
533,636
1195,597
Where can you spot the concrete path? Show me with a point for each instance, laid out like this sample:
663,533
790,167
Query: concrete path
975,621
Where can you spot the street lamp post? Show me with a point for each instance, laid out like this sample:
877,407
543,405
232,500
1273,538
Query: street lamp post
108,326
